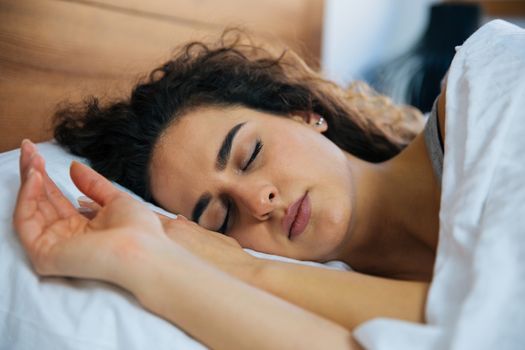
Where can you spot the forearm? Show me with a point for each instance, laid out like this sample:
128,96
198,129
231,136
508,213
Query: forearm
348,298
224,312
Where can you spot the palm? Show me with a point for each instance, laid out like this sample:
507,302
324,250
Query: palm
59,231
51,239
53,232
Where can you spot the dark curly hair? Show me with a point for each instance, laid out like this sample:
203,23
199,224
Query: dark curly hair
118,138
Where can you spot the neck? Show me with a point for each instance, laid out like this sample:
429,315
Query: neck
396,205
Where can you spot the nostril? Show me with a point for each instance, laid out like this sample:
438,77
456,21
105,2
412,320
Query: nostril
272,195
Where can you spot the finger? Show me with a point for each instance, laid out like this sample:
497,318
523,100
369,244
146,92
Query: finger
27,149
47,209
87,207
87,203
30,157
181,217
92,184
166,219
55,198
87,213
38,162
25,217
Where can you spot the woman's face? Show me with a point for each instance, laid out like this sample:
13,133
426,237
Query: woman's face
275,184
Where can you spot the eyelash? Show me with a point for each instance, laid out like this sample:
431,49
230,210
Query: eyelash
258,148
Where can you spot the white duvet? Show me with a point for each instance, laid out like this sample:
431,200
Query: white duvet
477,296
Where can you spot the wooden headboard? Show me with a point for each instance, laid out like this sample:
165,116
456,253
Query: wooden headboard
62,50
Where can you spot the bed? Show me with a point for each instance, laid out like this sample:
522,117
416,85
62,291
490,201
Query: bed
476,298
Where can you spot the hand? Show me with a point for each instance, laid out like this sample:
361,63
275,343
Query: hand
60,241
222,251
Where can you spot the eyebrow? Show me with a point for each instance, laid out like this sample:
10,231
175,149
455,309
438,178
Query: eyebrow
224,152
223,156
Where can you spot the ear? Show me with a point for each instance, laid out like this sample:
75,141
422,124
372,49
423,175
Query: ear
313,120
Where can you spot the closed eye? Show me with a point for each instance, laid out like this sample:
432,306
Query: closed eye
258,147
224,225
256,150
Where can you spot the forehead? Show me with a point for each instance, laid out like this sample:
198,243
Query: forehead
185,155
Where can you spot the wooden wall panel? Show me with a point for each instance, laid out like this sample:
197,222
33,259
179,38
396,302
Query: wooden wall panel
56,50
296,22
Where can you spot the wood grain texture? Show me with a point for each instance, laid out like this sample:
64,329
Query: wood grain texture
64,50
297,22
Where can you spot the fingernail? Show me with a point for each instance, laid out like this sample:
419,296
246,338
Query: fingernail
30,172
84,199
27,143
87,213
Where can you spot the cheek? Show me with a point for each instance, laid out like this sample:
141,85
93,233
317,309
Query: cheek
307,149
292,155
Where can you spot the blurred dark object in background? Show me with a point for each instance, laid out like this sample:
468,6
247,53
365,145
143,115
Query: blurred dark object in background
414,78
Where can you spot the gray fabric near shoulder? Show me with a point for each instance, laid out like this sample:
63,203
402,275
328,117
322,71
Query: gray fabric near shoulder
433,142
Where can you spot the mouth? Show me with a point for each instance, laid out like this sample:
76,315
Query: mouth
297,216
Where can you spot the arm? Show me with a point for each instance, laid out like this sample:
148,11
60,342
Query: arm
348,298
125,244
222,311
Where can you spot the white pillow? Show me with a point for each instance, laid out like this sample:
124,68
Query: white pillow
59,313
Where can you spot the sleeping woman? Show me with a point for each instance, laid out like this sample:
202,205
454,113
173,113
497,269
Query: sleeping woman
251,151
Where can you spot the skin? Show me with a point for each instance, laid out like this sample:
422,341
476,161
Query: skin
281,174
126,244
362,213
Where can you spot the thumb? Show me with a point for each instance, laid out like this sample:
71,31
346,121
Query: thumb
92,184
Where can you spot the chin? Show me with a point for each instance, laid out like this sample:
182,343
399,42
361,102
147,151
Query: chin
332,239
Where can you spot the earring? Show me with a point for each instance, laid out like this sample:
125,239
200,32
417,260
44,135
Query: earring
319,122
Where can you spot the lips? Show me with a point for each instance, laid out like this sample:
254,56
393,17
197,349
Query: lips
297,216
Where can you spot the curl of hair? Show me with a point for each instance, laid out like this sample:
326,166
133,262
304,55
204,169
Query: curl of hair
118,138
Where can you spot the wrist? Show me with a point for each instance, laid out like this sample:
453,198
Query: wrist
131,258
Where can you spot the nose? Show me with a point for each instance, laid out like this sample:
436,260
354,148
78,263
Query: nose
258,199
